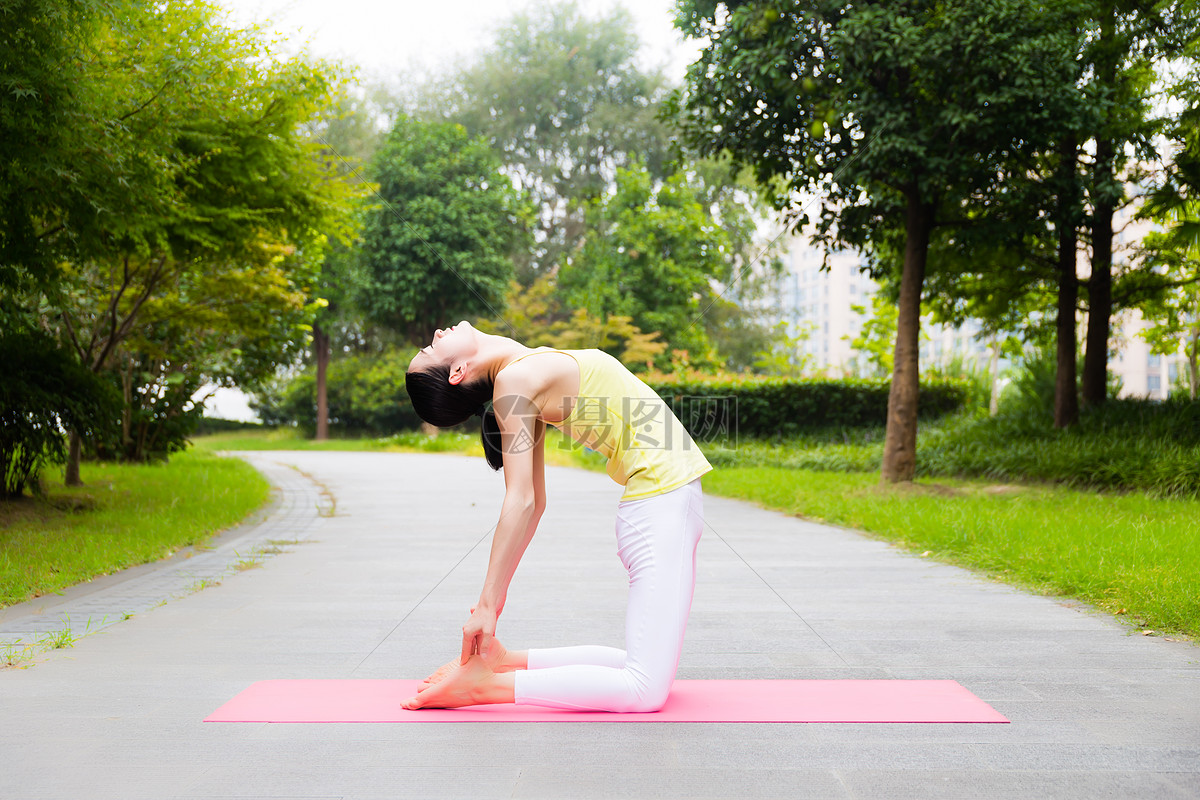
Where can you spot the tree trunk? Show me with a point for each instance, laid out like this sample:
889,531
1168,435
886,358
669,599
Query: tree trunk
73,456
1100,305
1066,403
994,373
321,348
127,451
900,442
1194,362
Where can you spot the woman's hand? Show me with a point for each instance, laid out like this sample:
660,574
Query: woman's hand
479,634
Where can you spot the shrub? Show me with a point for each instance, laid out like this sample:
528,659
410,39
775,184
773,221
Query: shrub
212,425
783,407
1124,444
44,393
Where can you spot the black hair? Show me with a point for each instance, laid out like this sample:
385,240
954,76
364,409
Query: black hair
441,403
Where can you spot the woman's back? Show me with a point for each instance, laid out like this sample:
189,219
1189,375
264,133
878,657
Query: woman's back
616,414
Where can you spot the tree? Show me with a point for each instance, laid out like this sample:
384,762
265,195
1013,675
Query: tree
351,134
1128,37
44,195
228,325
784,357
561,98
890,111
877,339
439,245
44,391
535,316
1026,258
1172,255
194,154
1174,316
1016,261
650,254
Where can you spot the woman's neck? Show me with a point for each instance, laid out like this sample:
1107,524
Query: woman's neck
497,352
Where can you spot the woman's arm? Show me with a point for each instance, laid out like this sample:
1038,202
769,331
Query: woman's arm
523,446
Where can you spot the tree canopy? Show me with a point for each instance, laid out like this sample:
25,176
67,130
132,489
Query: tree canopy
900,117
561,98
439,244
184,207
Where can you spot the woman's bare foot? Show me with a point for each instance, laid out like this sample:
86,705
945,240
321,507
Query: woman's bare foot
470,684
442,672
498,659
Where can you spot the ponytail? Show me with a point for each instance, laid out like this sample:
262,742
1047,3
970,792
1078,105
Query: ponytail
489,435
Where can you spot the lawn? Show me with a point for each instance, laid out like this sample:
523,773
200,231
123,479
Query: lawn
124,515
287,439
1129,554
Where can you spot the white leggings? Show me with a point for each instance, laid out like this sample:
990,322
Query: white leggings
656,540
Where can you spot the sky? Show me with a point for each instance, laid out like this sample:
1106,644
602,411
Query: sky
390,37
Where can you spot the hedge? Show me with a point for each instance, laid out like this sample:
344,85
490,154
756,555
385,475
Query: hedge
782,407
367,395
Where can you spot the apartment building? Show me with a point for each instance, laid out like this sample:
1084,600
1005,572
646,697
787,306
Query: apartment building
818,305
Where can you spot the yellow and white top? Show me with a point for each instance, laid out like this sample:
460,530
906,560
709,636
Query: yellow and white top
616,414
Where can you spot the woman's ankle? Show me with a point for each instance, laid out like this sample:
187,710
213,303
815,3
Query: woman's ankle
514,660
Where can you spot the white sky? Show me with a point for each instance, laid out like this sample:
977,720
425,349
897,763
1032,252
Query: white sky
389,37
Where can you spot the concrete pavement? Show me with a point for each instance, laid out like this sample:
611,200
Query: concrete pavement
383,555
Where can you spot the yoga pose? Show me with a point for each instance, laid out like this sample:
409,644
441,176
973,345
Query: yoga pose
590,396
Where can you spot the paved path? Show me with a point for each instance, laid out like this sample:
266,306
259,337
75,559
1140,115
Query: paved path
378,584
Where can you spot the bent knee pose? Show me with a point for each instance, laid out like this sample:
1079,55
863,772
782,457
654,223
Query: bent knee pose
593,398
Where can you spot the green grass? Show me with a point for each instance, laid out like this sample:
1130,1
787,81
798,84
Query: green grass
1124,446
124,515
286,439
1129,554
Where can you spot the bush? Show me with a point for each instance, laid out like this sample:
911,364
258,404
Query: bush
156,417
1128,444
785,407
45,392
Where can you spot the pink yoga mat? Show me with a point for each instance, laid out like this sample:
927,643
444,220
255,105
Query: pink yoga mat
690,701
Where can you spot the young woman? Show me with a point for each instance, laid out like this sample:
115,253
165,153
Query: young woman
591,397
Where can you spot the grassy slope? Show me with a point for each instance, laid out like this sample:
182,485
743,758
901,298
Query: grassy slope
1127,554
124,515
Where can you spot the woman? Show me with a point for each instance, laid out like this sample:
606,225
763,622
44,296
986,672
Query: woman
590,396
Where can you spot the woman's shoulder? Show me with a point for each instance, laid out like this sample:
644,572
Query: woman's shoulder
534,368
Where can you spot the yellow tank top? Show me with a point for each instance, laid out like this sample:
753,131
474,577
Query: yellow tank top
649,451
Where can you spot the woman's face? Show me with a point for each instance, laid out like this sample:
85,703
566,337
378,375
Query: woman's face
450,345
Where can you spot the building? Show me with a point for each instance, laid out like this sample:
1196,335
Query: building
820,305
819,308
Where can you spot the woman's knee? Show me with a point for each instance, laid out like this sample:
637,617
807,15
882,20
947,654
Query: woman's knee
651,697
